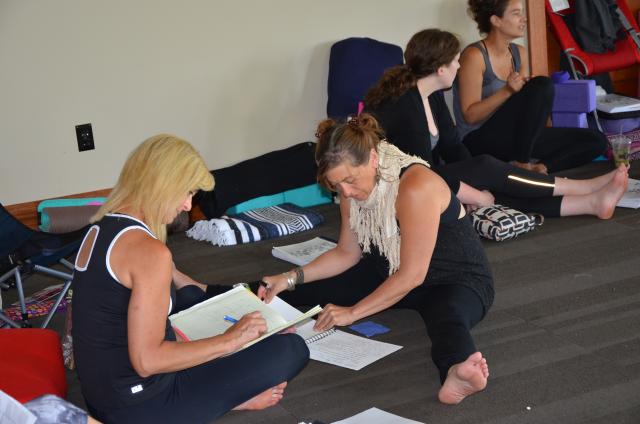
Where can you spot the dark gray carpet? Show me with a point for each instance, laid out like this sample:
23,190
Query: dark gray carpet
562,339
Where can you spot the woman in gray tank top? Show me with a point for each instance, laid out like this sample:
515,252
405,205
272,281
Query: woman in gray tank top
500,110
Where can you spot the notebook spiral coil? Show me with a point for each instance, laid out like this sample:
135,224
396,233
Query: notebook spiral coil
320,336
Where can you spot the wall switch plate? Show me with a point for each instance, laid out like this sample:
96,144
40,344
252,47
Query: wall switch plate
84,134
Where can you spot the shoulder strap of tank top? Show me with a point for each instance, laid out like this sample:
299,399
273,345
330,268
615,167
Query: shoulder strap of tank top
515,56
485,55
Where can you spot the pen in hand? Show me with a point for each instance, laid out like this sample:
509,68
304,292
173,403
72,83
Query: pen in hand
230,319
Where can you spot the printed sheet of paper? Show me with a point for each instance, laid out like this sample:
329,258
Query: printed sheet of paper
336,347
345,349
304,252
376,416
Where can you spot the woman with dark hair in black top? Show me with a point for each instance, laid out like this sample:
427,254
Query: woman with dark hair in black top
409,104
404,243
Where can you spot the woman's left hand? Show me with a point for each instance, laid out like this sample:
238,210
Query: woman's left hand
332,316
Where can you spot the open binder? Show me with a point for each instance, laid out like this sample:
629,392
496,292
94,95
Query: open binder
206,319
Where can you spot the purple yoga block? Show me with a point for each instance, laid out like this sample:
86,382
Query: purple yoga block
575,96
569,119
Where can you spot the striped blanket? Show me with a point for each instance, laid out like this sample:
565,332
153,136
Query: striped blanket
255,225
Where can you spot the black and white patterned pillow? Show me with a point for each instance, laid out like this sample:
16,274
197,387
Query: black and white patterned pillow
501,223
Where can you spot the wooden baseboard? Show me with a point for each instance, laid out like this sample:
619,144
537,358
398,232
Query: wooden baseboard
27,212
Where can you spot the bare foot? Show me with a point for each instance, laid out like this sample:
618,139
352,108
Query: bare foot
464,379
535,167
605,199
264,400
598,182
539,167
523,165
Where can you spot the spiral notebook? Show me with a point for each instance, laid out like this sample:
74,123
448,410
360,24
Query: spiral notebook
334,346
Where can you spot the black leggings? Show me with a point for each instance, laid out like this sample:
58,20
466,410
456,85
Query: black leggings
517,131
205,392
511,186
449,311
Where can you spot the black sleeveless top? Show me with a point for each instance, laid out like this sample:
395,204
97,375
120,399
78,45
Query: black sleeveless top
100,310
458,256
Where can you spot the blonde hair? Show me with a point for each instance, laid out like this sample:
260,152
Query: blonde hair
155,179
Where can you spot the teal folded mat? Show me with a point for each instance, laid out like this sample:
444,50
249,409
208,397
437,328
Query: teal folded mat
310,195
306,196
43,217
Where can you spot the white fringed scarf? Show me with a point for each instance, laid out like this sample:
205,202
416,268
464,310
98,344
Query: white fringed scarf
374,220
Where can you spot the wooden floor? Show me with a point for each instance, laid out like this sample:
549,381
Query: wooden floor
562,338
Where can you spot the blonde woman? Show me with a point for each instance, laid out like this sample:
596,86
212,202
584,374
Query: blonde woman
130,366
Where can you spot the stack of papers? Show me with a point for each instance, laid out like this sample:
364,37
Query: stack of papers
615,103
302,253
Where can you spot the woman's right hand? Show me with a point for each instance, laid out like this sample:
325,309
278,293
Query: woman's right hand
485,198
248,328
273,285
515,82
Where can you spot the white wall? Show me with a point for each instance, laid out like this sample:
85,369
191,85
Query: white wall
237,78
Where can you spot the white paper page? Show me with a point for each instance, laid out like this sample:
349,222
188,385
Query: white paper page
345,349
304,252
287,311
339,348
614,103
235,303
13,412
631,199
376,416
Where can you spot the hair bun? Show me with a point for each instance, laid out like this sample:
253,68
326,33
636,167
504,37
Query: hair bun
323,126
367,122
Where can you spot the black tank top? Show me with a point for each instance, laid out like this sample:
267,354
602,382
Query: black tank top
452,212
100,305
458,256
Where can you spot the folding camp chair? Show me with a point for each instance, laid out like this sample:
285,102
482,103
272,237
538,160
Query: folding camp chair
24,251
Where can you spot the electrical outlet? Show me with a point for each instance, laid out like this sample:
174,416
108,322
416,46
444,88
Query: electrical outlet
84,134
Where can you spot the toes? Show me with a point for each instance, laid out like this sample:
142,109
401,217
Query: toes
475,357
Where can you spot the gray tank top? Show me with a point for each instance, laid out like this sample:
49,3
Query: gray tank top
490,84
434,140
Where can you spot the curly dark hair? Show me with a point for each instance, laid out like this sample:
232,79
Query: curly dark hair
481,11
426,51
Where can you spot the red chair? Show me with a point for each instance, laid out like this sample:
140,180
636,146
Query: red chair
626,53
32,363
